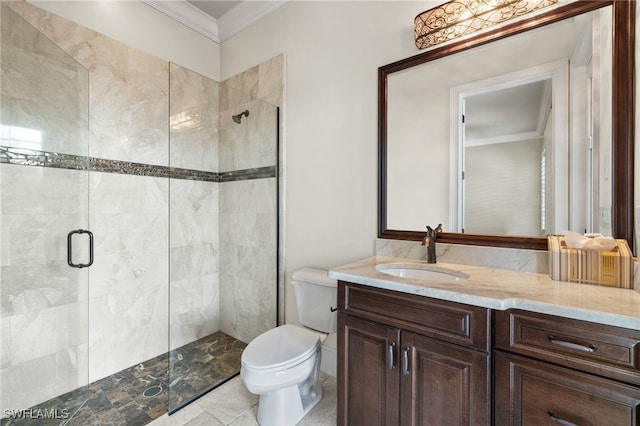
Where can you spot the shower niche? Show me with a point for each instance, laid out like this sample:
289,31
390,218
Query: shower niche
176,177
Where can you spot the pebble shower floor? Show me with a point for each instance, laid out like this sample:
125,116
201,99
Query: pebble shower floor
141,393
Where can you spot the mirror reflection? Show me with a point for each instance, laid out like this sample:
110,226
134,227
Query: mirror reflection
480,140
511,127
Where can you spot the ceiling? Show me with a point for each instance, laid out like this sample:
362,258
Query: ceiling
517,113
215,19
215,9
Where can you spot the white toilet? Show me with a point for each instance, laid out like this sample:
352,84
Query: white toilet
282,365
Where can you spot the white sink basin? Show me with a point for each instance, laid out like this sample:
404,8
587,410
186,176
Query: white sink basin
421,271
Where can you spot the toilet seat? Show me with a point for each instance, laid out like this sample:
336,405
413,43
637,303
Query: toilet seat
280,348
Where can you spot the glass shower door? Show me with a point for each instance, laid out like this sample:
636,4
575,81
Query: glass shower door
223,230
46,246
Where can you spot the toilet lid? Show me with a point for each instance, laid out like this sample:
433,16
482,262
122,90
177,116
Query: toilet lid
280,346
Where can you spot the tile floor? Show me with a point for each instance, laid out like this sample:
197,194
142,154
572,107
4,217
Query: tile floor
137,395
232,404
199,366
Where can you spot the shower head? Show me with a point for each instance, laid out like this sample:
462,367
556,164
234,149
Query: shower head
237,118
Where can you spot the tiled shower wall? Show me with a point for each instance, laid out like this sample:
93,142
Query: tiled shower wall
248,215
263,81
159,242
194,233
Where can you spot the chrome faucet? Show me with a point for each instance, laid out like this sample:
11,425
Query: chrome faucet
430,241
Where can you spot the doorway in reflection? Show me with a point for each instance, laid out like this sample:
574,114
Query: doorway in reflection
534,145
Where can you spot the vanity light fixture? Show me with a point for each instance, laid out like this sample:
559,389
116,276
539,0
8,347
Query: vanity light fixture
460,17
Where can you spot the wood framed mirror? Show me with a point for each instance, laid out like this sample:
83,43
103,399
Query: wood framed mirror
621,122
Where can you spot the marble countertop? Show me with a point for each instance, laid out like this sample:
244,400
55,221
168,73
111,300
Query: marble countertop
503,289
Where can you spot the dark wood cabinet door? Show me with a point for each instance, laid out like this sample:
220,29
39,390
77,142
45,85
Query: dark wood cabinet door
443,384
368,379
534,393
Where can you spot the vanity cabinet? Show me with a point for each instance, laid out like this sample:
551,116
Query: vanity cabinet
554,370
411,360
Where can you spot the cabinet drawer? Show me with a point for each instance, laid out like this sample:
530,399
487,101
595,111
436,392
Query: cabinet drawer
592,347
529,392
447,321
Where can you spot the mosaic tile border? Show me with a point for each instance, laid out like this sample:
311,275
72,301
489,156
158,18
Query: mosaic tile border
29,157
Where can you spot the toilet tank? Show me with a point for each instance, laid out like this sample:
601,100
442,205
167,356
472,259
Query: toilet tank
316,299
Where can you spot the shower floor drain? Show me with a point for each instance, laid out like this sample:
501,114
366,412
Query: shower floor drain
152,391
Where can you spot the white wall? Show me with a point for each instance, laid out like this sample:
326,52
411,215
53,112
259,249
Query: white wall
333,51
143,27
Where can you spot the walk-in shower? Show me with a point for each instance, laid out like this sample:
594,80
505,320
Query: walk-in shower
171,210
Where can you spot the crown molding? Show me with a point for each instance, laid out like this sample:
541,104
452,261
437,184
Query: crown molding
218,30
189,15
243,15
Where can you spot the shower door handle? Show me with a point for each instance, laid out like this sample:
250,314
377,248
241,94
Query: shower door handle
70,249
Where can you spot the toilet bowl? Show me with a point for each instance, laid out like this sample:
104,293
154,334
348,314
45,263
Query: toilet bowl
282,365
